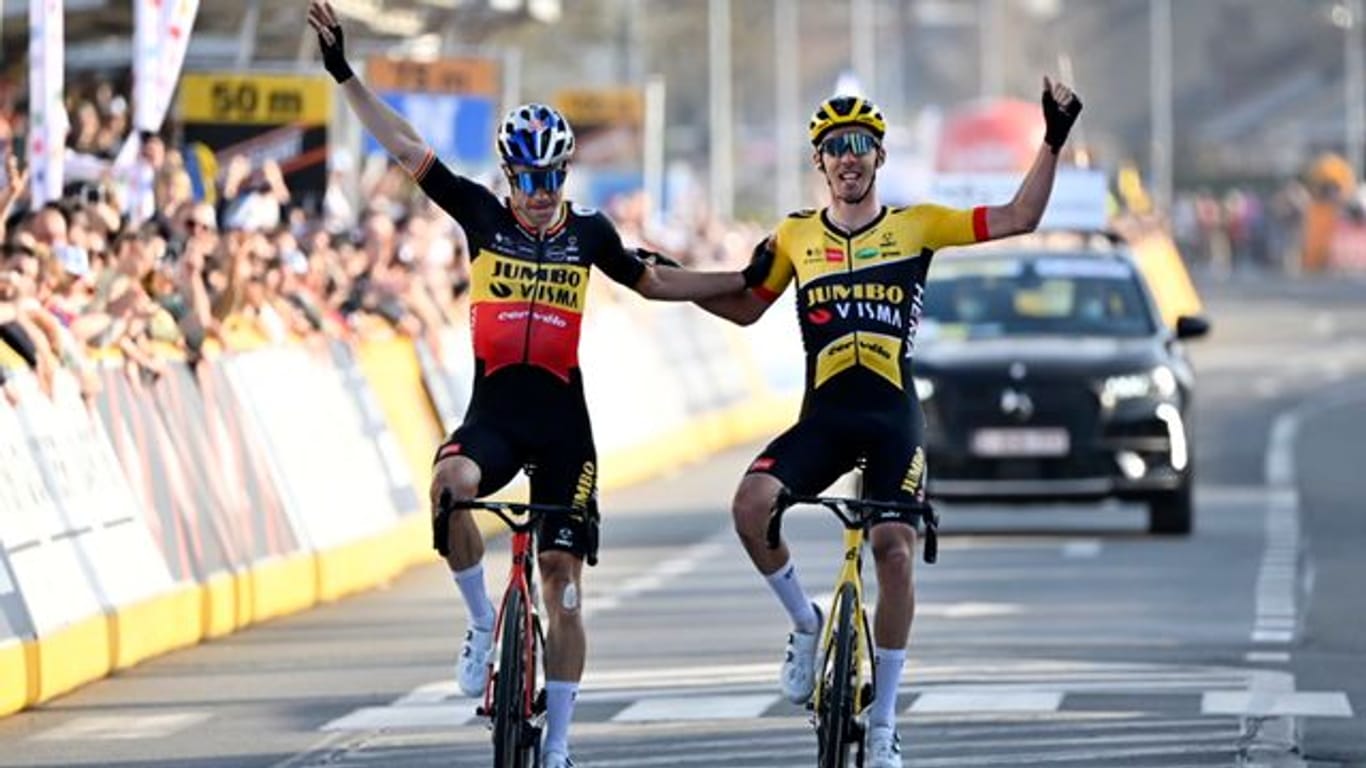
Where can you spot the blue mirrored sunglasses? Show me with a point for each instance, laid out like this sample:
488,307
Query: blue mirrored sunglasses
550,179
858,143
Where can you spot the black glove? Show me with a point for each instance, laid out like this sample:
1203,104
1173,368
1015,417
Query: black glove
760,264
656,259
334,56
1058,119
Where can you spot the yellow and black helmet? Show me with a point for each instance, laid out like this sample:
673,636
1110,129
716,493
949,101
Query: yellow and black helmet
838,111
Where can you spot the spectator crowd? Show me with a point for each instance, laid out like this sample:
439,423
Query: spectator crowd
179,269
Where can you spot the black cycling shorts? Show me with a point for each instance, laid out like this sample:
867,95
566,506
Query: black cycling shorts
826,443
561,462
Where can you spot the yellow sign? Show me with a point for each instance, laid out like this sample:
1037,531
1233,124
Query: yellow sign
214,97
602,106
453,75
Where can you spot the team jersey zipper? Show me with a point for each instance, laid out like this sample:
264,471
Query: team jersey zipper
531,308
849,270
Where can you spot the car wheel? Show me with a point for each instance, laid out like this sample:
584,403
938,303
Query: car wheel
1170,513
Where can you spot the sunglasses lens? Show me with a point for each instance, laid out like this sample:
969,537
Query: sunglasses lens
549,180
858,143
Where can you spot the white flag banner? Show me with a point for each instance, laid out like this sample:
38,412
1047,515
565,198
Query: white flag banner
47,117
161,37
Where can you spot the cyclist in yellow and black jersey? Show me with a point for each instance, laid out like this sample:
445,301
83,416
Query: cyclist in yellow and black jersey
860,271
859,295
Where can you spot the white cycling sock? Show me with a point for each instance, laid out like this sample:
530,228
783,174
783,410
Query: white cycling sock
471,583
559,710
788,588
887,666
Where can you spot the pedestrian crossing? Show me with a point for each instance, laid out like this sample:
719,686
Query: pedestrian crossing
1060,739
962,687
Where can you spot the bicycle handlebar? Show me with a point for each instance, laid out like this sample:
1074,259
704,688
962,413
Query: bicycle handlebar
507,511
854,513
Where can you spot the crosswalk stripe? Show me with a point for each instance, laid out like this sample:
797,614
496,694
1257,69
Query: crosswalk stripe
695,708
1005,701
445,715
1277,703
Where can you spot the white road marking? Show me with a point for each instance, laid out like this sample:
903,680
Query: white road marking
674,708
987,701
1267,657
446,715
122,727
1081,548
1276,703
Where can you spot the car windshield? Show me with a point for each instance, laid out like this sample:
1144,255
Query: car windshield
977,297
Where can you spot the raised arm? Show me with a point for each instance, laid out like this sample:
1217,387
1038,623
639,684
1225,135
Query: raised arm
1022,214
394,133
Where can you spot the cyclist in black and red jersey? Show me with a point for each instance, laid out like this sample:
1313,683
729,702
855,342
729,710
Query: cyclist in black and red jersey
530,257
860,271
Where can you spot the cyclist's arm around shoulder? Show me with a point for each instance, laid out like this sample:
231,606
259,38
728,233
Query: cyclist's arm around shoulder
765,277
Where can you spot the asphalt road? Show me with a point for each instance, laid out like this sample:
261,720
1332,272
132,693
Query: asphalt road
1051,636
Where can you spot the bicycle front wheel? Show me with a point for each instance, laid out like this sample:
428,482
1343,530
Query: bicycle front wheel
835,713
510,712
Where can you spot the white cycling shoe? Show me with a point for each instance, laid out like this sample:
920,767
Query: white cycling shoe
799,663
472,668
882,748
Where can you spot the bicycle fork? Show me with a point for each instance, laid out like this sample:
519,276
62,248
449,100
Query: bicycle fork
864,687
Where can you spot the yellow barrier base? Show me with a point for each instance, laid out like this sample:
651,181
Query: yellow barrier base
353,567
155,625
283,586
15,681
222,608
70,657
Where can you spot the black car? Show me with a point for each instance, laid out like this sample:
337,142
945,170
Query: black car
1047,374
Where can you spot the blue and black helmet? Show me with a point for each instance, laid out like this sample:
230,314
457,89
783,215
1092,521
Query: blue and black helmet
535,135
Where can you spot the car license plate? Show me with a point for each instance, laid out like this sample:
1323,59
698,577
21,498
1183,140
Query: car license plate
1020,442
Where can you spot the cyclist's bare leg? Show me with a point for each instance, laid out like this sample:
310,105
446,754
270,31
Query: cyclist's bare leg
561,573
750,511
565,642
894,553
460,475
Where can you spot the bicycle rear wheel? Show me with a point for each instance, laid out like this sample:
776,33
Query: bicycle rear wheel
510,727
835,712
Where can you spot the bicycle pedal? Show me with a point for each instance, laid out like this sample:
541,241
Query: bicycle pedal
482,711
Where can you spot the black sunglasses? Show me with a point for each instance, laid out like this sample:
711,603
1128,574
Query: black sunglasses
550,179
858,143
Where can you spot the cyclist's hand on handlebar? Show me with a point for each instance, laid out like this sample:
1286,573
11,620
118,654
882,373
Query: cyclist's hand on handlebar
330,39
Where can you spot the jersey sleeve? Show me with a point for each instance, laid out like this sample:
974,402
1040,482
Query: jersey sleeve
942,227
782,272
470,204
611,256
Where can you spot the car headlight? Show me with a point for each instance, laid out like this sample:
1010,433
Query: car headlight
1159,382
924,388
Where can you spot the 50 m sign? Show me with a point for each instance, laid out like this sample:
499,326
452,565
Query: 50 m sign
254,99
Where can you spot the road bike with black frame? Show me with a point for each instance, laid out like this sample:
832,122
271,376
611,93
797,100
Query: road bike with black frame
514,699
845,686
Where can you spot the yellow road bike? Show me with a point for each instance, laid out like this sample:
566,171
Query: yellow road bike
845,685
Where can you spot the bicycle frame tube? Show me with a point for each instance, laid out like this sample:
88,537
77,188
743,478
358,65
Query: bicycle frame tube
851,572
519,580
